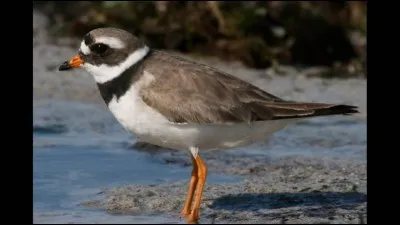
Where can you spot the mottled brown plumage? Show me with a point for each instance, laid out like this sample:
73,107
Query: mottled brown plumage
189,92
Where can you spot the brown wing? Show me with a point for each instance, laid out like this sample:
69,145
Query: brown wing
187,92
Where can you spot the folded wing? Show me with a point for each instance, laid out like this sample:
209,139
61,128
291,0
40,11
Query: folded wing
194,93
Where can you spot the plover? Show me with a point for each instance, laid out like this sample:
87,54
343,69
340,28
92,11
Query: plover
179,104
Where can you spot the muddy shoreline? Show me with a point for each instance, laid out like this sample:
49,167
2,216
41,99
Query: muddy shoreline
294,188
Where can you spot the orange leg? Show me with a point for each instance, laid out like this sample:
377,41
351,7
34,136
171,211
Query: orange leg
192,188
202,176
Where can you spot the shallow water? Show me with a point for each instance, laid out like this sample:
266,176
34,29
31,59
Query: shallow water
79,149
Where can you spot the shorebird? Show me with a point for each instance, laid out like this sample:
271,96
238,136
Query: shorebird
180,104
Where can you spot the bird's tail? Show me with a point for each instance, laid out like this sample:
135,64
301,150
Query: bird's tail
287,110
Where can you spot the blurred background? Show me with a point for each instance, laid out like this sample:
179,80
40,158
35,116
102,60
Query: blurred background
88,169
257,33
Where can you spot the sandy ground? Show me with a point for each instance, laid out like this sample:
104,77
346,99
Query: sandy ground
290,189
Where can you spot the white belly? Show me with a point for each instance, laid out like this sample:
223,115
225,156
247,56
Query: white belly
150,126
219,136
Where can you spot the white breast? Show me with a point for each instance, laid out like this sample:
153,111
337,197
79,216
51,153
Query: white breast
134,114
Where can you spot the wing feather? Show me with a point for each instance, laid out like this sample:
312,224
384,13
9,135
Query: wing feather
188,92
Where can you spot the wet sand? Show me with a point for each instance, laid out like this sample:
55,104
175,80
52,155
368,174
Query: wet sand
311,172
292,189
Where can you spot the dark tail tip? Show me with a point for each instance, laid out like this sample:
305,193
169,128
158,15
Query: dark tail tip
339,109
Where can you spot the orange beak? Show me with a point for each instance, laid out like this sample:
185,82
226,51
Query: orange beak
74,62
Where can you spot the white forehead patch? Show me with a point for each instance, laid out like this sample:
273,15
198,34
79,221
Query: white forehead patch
111,41
84,48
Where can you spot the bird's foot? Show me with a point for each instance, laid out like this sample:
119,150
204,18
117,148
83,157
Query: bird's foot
184,213
193,217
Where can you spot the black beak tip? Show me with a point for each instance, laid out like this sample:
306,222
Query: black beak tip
64,66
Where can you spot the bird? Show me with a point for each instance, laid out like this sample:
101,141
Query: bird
177,103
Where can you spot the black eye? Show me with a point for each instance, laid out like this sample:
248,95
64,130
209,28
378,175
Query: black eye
99,48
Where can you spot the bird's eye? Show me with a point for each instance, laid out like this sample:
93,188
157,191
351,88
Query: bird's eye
99,48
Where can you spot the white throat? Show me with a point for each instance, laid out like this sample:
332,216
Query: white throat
104,73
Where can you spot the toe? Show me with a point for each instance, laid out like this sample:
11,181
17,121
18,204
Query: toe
193,218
